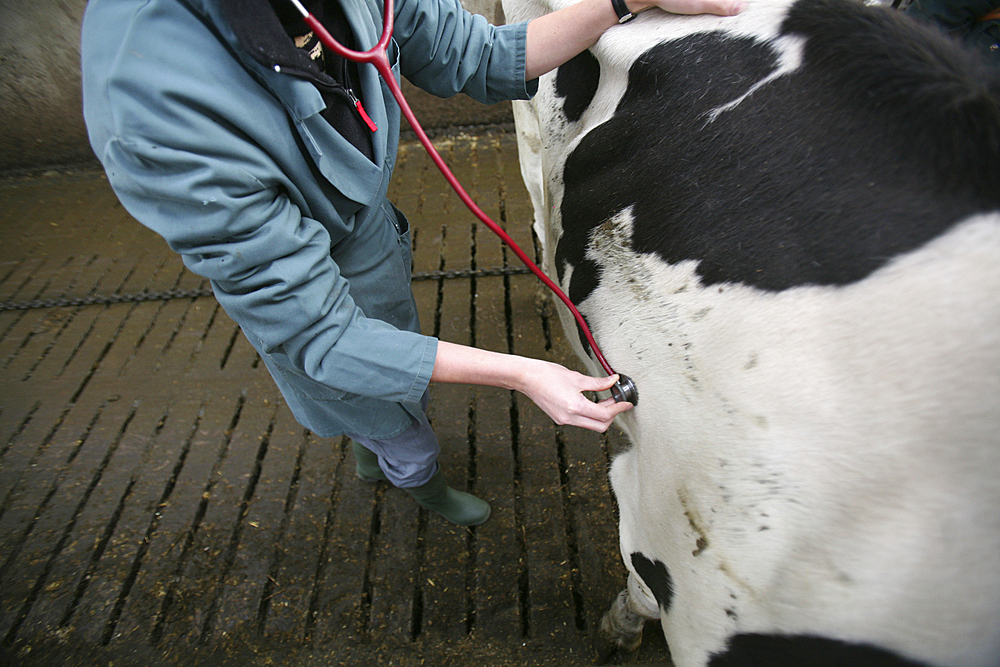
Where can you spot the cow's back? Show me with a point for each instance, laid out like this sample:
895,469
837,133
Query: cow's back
784,226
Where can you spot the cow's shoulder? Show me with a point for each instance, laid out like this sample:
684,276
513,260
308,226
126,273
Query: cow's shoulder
813,158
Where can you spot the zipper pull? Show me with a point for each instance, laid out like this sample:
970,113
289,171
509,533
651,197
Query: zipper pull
361,110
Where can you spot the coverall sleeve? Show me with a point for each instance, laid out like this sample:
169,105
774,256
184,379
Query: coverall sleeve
445,49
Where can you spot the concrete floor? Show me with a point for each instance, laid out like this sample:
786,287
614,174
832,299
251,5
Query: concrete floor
160,506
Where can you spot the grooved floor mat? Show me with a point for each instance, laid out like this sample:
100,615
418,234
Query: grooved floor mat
160,506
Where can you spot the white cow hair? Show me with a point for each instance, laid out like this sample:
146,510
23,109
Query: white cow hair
843,431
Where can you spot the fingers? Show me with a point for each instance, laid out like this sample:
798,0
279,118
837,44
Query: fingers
718,7
731,8
604,383
599,416
562,394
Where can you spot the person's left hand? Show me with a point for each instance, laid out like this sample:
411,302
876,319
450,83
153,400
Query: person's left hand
718,7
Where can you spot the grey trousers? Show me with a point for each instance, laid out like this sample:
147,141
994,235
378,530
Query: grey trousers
410,458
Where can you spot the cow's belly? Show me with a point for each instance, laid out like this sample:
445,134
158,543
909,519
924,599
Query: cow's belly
817,461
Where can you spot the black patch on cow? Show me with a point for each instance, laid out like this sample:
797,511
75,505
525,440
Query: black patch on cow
884,138
755,650
576,83
656,576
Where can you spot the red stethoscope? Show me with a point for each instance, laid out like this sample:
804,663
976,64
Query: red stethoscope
624,389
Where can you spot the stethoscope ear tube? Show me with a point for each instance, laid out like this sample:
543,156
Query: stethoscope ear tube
378,56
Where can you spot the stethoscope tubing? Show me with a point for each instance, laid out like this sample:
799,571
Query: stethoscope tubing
378,56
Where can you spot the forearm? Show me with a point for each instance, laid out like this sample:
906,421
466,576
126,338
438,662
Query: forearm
460,364
555,38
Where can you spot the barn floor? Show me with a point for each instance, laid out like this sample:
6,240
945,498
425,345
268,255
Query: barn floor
160,506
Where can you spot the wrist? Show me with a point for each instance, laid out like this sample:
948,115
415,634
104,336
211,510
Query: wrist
622,10
519,373
626,10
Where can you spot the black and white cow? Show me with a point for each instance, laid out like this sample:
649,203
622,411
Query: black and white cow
785,226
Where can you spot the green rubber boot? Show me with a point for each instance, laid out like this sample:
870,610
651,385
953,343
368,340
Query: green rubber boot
367,465
460,508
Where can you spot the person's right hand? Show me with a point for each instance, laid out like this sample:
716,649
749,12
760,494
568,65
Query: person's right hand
559,392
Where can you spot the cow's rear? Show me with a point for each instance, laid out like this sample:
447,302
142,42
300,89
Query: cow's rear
785,226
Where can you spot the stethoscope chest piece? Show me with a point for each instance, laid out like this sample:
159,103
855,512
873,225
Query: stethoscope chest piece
625,390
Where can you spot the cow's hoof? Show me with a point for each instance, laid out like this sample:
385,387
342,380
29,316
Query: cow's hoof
620,632
616,651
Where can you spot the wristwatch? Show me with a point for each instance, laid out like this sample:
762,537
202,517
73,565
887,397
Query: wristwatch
621,9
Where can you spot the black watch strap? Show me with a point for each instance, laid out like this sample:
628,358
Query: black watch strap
621,9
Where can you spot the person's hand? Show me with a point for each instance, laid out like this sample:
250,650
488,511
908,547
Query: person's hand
559,392
718,7
555,38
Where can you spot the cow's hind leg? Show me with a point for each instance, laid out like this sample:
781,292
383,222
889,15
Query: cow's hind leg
621,627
